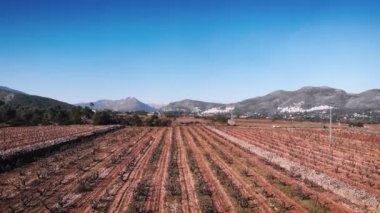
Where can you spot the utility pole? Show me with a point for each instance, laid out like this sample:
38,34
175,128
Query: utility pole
330,126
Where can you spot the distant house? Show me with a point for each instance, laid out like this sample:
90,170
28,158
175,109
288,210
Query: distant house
231,121
153,113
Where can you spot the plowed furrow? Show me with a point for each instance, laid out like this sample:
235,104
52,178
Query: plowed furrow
125,193
113,176
155,201
53,185
189,201
219,195
325,197
246,199
269,189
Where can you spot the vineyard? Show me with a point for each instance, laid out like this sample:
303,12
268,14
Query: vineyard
196,168
16,140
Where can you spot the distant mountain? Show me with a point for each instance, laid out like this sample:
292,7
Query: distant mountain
123,105
309,99
15,98
157,106
191,106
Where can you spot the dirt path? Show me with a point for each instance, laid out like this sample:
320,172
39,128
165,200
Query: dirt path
190,201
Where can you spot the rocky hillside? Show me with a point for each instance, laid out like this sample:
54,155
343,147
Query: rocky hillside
191,106
15,98
123,105
308,99
307,102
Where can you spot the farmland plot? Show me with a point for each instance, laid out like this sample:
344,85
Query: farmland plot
348,167
15,140
169,169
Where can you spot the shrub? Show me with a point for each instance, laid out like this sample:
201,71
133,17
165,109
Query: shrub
88,182
355,124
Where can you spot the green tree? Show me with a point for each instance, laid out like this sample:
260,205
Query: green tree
76,115
62,117
88,113
10,114
103,118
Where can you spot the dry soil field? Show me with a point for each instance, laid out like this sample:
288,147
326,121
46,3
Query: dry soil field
201,168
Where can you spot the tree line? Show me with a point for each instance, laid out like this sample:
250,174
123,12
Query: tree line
29,116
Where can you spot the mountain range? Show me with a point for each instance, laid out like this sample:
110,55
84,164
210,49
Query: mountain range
310,99
306,100
311,103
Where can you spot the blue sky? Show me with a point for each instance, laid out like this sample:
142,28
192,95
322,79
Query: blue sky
163,51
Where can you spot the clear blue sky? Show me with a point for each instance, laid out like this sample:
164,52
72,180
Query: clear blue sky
162,51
